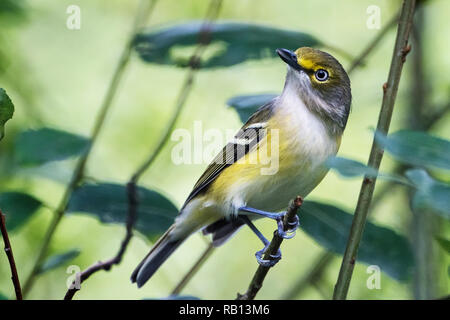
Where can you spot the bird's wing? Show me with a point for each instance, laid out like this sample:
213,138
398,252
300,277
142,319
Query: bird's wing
245,140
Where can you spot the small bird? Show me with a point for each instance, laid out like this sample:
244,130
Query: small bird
297,131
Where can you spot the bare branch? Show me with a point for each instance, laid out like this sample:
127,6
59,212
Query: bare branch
260,274
144,9
401,49
9,254
194,63
359,61
133,200
108,264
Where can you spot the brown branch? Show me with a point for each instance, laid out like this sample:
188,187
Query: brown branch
260,274
376,154
78,174
325,259
132,194
357,62
9,254
108,264
193,66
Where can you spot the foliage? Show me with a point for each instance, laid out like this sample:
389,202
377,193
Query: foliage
35,147
237,42
58,260
246,105
429,193
231,43
350,168
12,7
18,208
416,148
109,203
444,243
411,148
6,111
381,246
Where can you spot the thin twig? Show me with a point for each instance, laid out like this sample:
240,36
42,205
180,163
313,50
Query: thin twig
193,66
107,265
357,62
429,120
372,45
272,249
132,184
390,89
143,11
190,274
325,259
9,254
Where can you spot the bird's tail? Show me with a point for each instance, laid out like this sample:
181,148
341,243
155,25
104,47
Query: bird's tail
162,249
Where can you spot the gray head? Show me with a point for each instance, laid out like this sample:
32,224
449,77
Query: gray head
321,82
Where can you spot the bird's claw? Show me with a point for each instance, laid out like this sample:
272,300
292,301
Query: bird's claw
267,262
293,225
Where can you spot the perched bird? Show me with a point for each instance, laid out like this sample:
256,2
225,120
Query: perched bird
297,131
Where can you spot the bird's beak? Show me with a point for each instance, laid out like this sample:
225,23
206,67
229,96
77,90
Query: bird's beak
289,57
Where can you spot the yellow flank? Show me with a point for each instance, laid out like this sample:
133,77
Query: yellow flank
245,170
292,155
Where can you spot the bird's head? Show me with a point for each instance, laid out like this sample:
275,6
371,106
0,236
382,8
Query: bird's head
321,82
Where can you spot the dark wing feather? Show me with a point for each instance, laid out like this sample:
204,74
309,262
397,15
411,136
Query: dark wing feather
232,152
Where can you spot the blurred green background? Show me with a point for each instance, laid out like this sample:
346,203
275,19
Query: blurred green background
57,78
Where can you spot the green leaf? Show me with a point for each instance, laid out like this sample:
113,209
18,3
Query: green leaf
444,243
246,105
18,208
109,203
35,147
6,111
416,148
58,260
350,168
429,194
12,7
330,227
236,42
3,297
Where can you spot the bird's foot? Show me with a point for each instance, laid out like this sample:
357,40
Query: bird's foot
292,226
267,262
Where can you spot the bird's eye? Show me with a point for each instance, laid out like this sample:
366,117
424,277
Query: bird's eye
321,75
